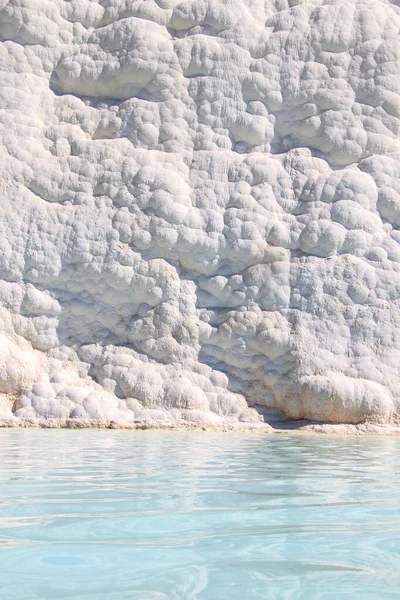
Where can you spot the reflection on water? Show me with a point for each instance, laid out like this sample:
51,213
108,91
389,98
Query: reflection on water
127,515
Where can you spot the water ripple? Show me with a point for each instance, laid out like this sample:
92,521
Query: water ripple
127,515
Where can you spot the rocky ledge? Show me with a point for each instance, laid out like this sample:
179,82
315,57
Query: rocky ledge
200,211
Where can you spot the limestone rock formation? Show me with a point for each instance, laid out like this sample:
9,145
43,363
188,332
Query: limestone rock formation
200,209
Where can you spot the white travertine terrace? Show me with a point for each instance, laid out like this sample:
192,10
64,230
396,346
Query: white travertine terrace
200,209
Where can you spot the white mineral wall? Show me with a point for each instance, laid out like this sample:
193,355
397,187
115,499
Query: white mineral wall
200,209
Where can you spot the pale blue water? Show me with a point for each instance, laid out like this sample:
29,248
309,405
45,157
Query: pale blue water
120,515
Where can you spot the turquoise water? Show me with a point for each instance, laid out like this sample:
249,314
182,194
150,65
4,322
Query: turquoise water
123,515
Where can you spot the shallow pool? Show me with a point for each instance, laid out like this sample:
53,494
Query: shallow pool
154,515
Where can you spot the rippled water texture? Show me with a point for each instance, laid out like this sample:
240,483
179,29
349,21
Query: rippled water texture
156,515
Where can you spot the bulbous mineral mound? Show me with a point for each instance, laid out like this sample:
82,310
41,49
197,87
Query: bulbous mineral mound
200,210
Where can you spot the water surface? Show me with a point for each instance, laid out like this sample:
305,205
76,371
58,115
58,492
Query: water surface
127,515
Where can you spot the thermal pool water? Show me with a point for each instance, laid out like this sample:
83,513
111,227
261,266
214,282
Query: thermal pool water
128,515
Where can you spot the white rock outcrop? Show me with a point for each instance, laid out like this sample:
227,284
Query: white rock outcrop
200,209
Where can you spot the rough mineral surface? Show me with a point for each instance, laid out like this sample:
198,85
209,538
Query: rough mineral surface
200,210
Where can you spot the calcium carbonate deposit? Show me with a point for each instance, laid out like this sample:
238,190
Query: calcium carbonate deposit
200,210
